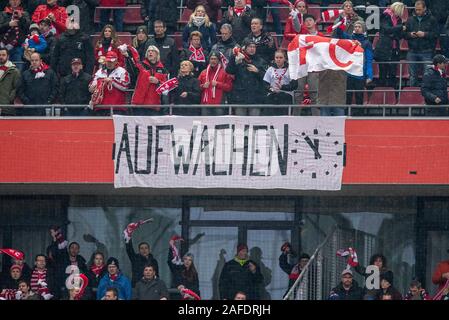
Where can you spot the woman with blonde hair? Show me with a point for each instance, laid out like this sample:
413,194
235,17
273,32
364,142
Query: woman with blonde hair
387,48
199,21
188,90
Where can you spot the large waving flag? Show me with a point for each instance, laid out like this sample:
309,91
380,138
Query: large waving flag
307,53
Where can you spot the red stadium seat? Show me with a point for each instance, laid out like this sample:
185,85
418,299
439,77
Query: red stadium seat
177,36
375,70
124,37
375,40
316,12
403,46
381,95
185,16
284,44
132,15
411,95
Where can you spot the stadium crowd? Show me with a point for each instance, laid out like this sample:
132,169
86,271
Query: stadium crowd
63,274
227,55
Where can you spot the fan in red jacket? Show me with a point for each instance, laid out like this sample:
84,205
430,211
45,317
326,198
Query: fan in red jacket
109,85
56,14
214,81
295,22
151,73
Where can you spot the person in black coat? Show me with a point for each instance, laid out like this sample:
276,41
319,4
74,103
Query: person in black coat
167,47
195,53
184,274
248,88
434,86
165,10
348,289
188,90
139,260
387,48
240,274
150,287
97,270
39,86
73,43
65,259
226,42
74,89
264,41
239,16
421,33
48,32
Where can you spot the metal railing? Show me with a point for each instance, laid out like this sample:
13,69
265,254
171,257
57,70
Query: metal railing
312,281
394,110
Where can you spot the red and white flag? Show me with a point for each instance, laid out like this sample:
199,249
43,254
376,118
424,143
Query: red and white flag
307,53
330,15
15,254
167,86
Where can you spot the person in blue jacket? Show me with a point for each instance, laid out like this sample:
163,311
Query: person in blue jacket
354,82
114,279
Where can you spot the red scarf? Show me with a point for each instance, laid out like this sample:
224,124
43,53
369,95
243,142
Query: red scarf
436,69
97,270
14,31
279,77
168,86
214,78
43,67
3,68
239,11
197,54
113,277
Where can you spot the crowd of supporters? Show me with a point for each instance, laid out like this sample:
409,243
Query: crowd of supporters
63,274
228,56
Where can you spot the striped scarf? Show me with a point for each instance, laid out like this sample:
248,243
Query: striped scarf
35,277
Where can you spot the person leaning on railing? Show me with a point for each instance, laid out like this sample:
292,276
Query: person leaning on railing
434,86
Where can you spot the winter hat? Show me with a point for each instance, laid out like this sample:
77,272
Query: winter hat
439,58
15,266
387,276
346,271
241,246
214,53
113,261
142,29
34,26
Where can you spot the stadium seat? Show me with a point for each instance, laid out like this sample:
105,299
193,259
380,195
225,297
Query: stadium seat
185,16
375,70
132,15
375,40
403,45
177,36
284,44
316,12
124,37
411,95
381,95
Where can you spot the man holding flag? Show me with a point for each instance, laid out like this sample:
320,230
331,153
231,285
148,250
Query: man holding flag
329,57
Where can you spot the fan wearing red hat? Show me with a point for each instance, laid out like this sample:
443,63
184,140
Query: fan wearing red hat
10,283
109,86
239,274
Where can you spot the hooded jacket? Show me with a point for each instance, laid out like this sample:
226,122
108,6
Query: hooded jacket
434,85
9,83
122,285
69,46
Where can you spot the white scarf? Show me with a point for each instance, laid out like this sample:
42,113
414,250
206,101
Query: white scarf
214,78
198,21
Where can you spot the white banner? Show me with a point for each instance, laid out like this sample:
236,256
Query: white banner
307,53
229,152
